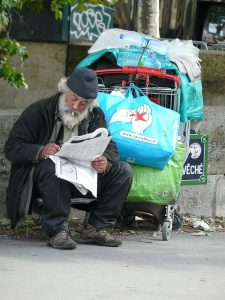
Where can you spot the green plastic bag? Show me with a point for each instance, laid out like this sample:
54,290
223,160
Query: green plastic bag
158,186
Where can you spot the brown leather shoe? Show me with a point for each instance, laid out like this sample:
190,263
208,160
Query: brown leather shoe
62,240
101,237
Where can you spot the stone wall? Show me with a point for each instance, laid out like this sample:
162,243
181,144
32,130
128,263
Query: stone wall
45,66
204,200
7,119
213,77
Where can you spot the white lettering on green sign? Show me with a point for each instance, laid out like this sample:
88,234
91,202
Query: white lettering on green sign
193,169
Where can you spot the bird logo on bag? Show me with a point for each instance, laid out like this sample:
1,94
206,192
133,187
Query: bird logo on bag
141,117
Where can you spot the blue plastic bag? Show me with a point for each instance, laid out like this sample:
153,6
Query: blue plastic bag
145,133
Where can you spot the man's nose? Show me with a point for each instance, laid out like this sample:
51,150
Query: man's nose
75,104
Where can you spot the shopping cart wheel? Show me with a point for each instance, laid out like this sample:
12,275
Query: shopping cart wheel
128,220
177,221
166,231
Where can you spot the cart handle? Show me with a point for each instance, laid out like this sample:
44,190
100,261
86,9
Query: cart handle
142,71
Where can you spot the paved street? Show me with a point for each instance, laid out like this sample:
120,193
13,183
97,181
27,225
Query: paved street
144,267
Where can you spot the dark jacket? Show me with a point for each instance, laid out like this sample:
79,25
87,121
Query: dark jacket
29,134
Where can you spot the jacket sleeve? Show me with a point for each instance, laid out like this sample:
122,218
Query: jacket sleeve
22,145
111,152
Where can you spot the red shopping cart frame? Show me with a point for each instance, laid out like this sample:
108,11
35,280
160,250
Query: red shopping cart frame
149,72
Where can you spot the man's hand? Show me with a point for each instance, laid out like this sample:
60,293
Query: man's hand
48,149
100,164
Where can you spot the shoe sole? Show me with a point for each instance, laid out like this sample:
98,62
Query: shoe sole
62,247
96,242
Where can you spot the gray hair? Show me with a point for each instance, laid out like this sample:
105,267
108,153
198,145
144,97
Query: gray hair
63,88
62,85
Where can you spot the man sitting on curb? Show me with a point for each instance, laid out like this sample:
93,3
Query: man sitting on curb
41,128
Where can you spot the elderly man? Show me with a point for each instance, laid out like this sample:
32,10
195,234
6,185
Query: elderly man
38,133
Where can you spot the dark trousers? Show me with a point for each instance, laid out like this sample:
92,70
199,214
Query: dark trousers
113,188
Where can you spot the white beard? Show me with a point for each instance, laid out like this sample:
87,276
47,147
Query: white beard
71,118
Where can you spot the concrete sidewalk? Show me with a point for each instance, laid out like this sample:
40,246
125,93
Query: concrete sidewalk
144,267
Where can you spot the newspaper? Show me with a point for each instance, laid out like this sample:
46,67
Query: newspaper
73,160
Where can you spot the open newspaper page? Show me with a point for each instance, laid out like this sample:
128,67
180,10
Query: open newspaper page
73,161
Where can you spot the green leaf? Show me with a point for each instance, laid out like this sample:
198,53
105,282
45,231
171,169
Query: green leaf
10,49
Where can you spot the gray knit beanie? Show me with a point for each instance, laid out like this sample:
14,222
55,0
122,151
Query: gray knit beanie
84,83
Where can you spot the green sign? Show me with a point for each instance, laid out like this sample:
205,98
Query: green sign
90,23
195,167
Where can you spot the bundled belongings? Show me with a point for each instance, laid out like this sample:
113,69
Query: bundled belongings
150,91
136,49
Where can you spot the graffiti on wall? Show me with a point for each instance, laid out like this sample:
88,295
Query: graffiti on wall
89,24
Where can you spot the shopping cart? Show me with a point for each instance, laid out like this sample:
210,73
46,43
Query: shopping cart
163,88
145,78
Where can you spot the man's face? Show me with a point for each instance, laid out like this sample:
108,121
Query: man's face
75,103
195,150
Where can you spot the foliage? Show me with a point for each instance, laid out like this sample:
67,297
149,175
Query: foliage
9,49
11,52
57,5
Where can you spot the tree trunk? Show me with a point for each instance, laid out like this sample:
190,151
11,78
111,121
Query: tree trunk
125,14
177,18
148,17
138,15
